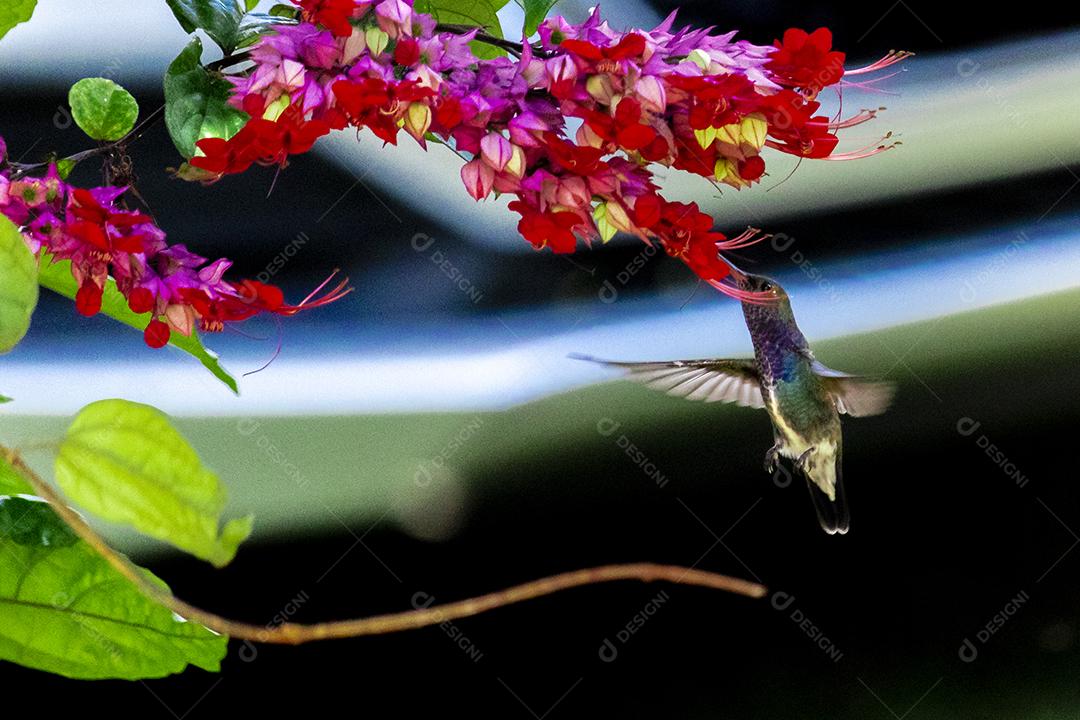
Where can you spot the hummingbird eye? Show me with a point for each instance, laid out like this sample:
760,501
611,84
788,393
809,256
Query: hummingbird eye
766,286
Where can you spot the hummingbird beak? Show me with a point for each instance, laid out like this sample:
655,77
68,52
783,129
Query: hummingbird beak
736,278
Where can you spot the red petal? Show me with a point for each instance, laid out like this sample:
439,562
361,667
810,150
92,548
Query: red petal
630,46
583,49
88,299
635,137
91,234
140,300
156,334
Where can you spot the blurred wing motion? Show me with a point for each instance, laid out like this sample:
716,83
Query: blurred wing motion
709,380
854,395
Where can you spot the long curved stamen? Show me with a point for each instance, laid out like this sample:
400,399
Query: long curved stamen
862,116
891,58
870,85
872,149
748,237
339,291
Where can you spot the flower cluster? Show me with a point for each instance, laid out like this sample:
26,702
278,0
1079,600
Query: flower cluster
569,126
103,239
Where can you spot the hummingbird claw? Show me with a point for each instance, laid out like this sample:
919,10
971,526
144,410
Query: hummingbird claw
770,458
803,463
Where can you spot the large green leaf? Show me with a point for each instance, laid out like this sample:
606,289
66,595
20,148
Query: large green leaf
219,18
64,610
479,13
56,276
11,482
18,285
535,12
125,462
13,12
104,110
196,104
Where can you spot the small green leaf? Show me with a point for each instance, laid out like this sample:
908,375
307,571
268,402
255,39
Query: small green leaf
18,285
65,610
535,12
56,276
64,166
220,19
104,110
4,399
249,5
14,12
126,463
196,104
478,13
285,11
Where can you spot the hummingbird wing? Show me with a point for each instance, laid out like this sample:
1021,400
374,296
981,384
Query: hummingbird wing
734,381
856,395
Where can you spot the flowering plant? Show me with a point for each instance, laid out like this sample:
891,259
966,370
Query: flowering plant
571,122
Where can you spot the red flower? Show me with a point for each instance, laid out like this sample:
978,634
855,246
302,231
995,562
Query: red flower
156,334
717,100
631,45
377,104
686,233
552,229
141,300
104,229
407,51
88,298
332,14
796,129
625,129
260,140
253,298
574,158
807,60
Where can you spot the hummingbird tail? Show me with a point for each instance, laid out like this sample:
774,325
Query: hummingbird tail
832,513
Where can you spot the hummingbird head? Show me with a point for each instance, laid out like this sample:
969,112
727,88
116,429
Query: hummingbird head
755,289
767,288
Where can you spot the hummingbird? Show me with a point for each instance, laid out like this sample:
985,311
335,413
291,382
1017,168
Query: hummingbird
803,398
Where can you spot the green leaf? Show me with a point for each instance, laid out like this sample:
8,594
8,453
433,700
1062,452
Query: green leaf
126,463
249,5
4,399
56,276
220,19
64,166
283,10
479,13
65,610
11,482
196,104
18,285
535,12
104,110
13,12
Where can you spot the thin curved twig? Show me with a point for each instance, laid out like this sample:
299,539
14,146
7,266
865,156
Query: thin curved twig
296,633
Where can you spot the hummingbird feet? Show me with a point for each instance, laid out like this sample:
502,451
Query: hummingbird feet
770,458
804,463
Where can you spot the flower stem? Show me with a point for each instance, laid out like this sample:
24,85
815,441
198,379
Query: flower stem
297,633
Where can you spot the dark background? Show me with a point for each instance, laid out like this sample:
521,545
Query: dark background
942,540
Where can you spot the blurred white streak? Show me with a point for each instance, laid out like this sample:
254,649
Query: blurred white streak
867,293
